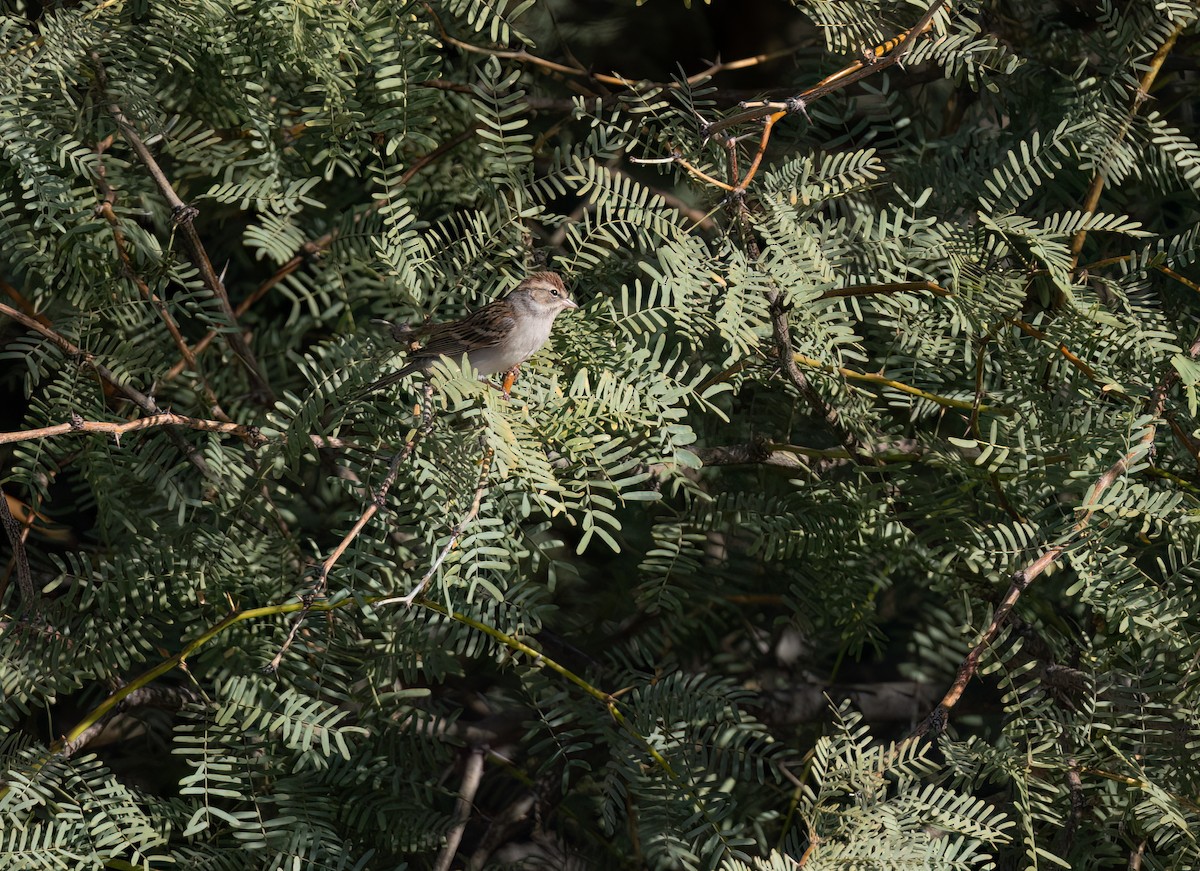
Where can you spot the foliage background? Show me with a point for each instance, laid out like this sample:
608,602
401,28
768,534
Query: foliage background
887,398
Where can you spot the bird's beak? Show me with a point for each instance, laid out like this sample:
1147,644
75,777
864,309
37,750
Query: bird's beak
569,303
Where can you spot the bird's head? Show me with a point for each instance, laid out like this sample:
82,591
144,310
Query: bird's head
543,294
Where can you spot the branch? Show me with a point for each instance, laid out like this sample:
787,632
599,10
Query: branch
1165,270
579,71
164,698
537,659
485,467
883,381
938,718
16,540
876,60
108,198
472,775
1071,358
249,434
677,159
183,215
881,289
318,589
787,362
137,397
1092,199
784,456
22,303
312,248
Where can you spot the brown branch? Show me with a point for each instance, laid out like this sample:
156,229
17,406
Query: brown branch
183,216
311,248
1184,439
23,304
16,539
248,434
136,396
678,160
617,81
937,719
782,331
1071,358
1065,840
1092,199
744,63
784,456
472,775
876,60
756,161
1165,270
322,574
1136,855
106,210
485,467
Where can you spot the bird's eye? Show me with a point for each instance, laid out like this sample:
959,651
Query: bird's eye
553,292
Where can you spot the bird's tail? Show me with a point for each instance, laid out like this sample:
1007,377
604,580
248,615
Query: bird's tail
387,380
403,334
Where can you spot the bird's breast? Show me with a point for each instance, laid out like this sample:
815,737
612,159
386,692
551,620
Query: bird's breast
526,338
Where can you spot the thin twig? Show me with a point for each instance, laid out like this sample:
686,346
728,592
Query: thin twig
1136,855
1066,352
472,775
25,305
938,718
876,60
884,381
679,160
785,456
163,698
16,540
579,71
787,362
881,289
136,396
107,200
314,247
322,574
1183,438
485,468
248,434
1125,258
183,216
1092,199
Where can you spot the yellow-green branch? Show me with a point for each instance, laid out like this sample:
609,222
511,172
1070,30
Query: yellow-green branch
852,375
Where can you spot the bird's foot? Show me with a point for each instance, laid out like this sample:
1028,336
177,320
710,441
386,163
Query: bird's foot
510,378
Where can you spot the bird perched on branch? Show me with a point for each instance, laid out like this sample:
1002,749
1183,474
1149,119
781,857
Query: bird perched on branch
496,338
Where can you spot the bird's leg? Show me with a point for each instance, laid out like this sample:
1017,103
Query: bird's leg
510,378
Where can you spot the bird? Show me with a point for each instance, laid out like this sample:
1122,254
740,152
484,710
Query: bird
496,338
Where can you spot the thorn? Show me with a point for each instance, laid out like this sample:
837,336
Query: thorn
794,105
184,214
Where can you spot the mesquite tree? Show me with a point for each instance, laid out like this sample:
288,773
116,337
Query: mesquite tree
849,522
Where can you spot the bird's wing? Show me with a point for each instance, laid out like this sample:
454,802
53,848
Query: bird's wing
484,328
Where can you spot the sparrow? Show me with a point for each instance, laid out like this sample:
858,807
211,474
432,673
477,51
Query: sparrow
496,338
